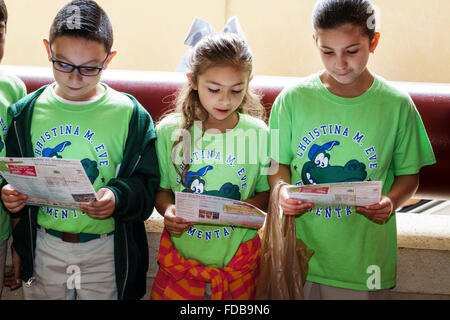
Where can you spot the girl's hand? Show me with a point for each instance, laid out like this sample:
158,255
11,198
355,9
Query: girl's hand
292,206
103,207
174,224
378,212
13,200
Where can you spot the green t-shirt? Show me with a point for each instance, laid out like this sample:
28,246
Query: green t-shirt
93,132
230,165
326,138
12,89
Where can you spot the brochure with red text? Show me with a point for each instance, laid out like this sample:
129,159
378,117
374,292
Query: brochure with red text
206,209
346,193
49,181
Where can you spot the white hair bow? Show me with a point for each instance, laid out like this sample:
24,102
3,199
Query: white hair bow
201,28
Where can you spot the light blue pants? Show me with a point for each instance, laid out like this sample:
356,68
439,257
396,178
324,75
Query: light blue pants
317,291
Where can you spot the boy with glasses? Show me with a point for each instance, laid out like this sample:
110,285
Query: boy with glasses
101,250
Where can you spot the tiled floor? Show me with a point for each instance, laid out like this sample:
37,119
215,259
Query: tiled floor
7,294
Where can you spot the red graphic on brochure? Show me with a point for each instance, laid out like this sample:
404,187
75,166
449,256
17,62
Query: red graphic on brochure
22,170
321,190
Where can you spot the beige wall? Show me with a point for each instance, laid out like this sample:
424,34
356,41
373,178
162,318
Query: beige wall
149,34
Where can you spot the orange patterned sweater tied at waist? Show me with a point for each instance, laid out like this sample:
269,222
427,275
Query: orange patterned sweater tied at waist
179,278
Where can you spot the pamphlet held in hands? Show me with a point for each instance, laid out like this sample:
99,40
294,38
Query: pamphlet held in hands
49,181
345,193
206,209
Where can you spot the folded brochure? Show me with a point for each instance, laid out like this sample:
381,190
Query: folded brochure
343,193
49,181
206,209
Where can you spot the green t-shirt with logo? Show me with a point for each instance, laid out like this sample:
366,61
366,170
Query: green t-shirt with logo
93,132
326,138
12,89
231,165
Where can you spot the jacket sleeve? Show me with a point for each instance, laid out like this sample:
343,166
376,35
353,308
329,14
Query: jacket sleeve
138,178
18,138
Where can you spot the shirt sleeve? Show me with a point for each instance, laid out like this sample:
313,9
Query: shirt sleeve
22,90
262,183
412,147
162,150
280,124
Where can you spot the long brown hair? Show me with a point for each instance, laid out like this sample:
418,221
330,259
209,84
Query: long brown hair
220,49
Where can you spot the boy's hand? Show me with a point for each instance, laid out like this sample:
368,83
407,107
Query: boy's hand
378,212
103,207
174,224
13,200
292,207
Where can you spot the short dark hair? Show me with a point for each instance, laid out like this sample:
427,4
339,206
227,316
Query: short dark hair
330,14
83,19
3,11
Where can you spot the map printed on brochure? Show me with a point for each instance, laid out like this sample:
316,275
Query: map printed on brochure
346,193
49,181
201,208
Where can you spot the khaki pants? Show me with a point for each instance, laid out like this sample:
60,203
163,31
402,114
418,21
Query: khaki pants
68,271
317,291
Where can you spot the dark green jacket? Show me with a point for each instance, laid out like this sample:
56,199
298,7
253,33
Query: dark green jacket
134,188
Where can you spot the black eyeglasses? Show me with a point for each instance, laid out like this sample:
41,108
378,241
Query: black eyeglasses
68,68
